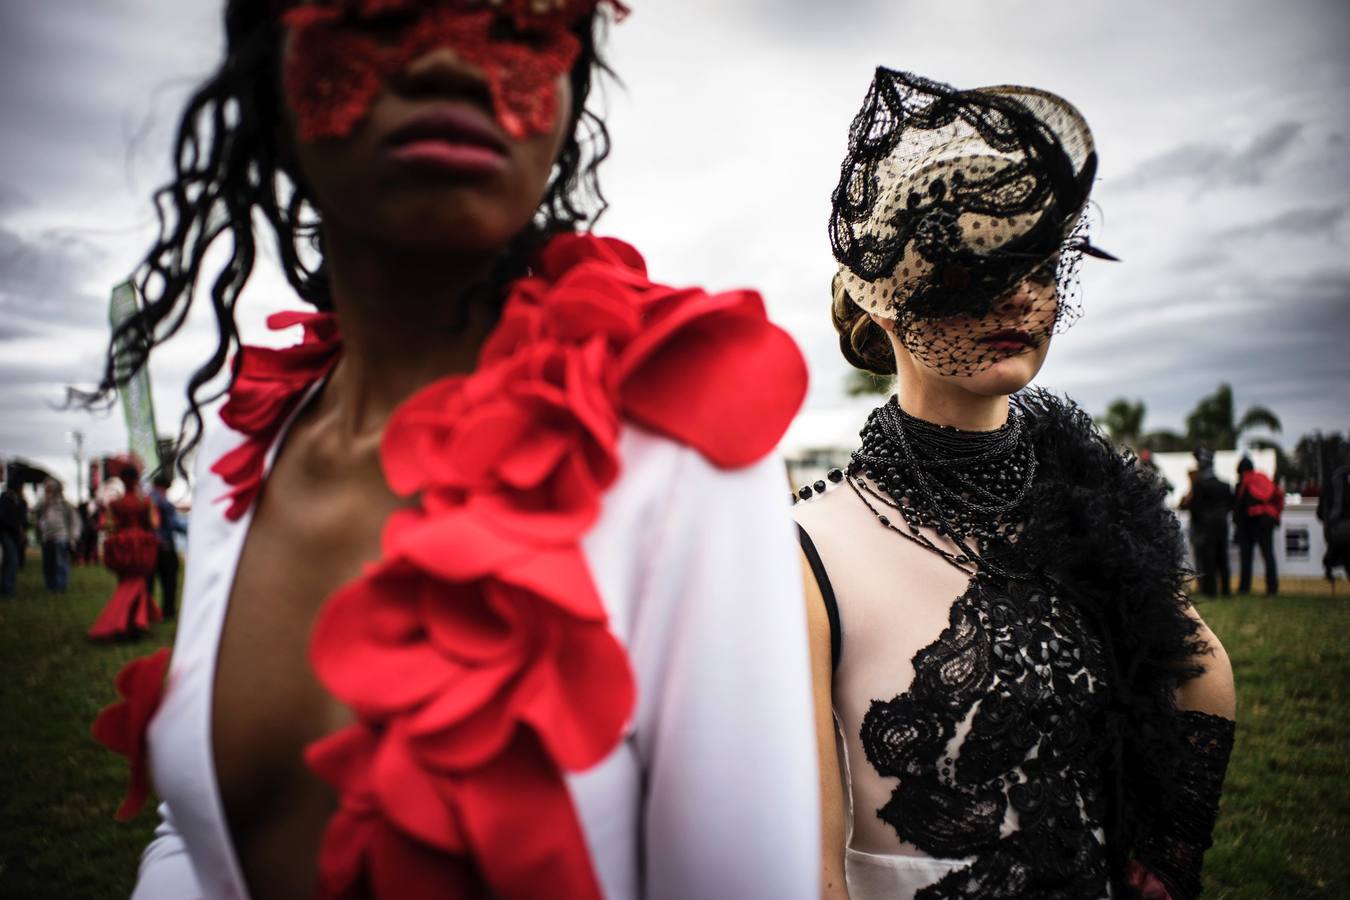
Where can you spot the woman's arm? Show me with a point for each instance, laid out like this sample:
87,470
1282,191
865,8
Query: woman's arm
1173,847
1212,692
832,825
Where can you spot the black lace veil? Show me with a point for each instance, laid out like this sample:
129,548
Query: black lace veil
953,205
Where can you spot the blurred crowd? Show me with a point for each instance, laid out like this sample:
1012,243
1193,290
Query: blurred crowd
71,534
1253,505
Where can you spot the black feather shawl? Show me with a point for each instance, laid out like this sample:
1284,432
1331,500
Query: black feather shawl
1098,526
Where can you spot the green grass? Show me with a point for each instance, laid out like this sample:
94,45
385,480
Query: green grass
1284,827
1284,823
58,789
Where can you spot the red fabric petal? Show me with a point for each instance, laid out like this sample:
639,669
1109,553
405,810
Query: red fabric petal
121,727
342,760
343,856
474,624
473,553
473,694
369,649
266,390
520,821
726,381
404,869
411,798
568,251
470,744
580,702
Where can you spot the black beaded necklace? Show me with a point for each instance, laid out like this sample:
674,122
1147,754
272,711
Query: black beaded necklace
968,486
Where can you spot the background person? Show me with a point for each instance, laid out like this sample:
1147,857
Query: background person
13,521
1210,501
57,525
170,524
1333,511
1258,504
130,551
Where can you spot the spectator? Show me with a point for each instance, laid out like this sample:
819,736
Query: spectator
57,526
12,524
1209,500
170,523
86,547
1333,510
23,529
1256,513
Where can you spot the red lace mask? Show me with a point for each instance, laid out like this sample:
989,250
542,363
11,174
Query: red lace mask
340,55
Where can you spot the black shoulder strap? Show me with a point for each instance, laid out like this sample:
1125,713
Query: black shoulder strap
826,593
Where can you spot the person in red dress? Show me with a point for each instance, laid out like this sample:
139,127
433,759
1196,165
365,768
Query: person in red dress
131,551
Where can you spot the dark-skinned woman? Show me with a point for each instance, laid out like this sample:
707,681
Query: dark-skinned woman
488,593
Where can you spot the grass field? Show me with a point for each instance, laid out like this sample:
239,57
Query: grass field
1284,830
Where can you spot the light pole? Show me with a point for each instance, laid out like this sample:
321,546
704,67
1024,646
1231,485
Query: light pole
77,436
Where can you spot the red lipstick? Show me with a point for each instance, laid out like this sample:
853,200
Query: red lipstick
1009,339
451,139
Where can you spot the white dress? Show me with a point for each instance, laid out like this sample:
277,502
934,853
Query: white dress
713,793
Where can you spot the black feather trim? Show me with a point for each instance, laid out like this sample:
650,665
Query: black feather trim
1098,526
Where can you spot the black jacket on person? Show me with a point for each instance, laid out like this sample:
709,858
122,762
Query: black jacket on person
1333,510
1211,501
13,516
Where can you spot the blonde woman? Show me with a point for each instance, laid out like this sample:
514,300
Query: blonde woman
1014,698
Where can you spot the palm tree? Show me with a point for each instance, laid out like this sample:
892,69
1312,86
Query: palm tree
1211,424
1124,421
860,382
1164,441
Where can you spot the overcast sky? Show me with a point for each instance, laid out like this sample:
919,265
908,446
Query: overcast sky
1223,128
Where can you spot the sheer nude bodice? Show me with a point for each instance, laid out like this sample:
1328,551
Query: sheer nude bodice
965,711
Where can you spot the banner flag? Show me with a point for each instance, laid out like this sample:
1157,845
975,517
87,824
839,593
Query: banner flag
137,403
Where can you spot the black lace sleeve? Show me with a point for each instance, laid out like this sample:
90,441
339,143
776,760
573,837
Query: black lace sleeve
1173,845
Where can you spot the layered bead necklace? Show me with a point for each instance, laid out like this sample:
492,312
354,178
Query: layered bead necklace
967,486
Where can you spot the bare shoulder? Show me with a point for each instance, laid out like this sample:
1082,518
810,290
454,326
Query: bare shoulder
825,503
1214,690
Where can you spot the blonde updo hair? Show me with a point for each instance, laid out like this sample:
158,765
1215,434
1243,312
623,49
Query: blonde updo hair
863,342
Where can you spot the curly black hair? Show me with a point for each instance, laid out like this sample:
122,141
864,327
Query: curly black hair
231,166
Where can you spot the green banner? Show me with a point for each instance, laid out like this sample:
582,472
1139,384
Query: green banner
138,405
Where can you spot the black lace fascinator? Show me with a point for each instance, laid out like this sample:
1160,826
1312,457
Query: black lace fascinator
950,200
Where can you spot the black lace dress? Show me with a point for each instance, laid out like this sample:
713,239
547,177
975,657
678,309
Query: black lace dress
996,751
1020,790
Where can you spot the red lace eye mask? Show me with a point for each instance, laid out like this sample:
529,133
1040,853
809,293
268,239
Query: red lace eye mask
337,66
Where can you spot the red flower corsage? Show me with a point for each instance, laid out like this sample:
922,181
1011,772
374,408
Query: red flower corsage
477,652
121,726
269,385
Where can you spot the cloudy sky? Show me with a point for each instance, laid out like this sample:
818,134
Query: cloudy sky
1223,128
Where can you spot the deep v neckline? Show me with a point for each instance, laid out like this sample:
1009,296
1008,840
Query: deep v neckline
240,529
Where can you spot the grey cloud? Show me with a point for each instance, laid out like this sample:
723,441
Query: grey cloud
1279,343
1211,164
11,329
1305,222
42,280
1250,166
83,79
1200,259
11,199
